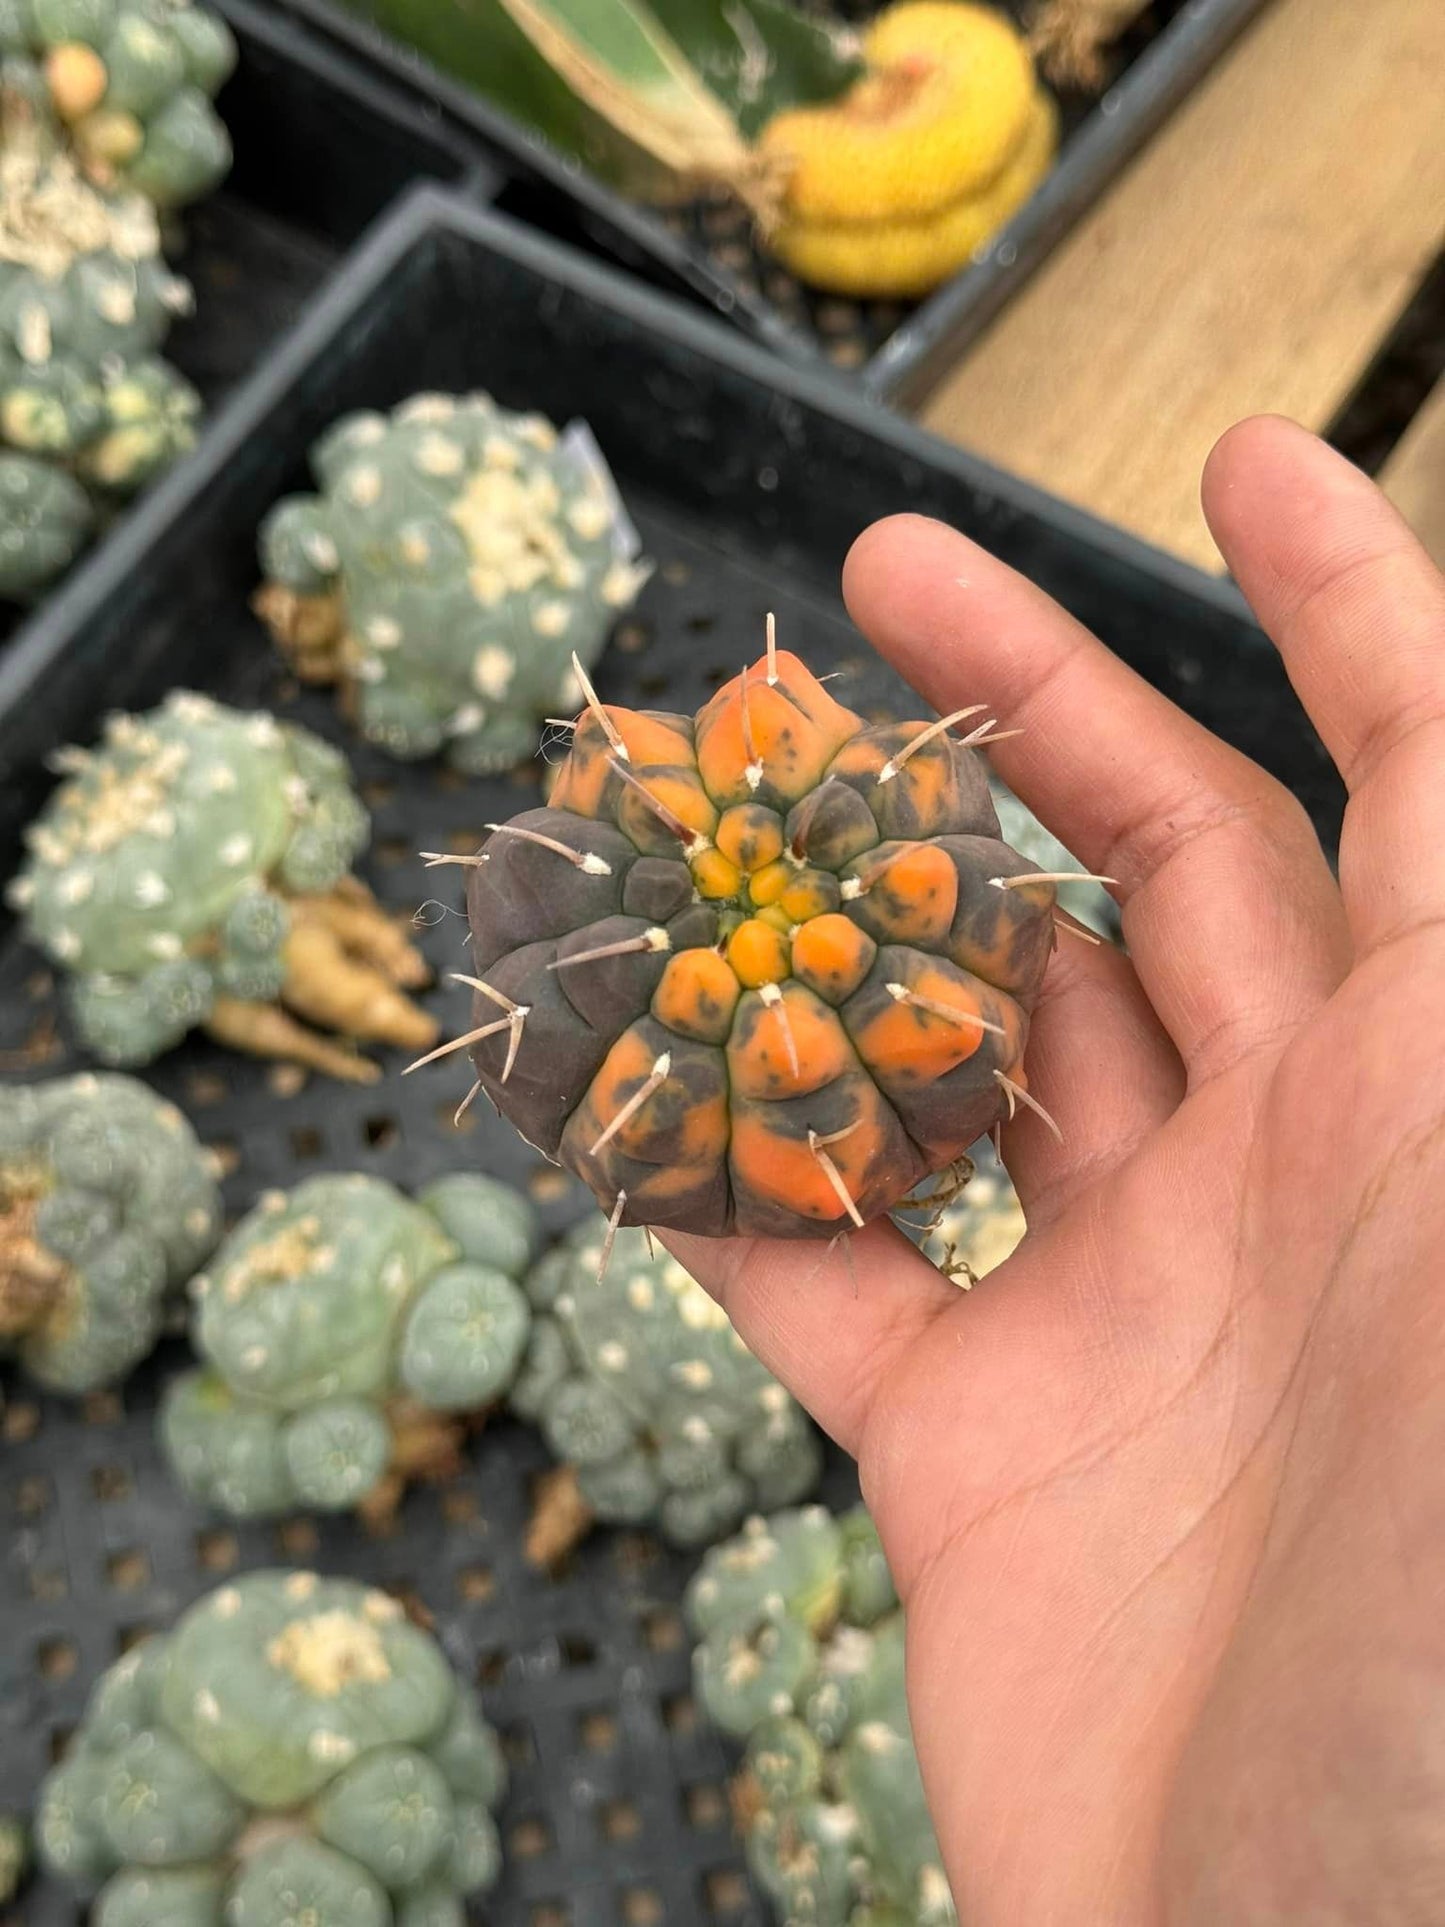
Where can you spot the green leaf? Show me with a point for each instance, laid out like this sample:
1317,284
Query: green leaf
762,55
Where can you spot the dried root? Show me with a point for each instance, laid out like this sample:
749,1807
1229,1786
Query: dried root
1070,37
309,630
561,1518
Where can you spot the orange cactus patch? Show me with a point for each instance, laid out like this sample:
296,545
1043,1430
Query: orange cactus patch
773,960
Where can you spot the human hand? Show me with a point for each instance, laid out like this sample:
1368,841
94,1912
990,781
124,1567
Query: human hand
1165,1498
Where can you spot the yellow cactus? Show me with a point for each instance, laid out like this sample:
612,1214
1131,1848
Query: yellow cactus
905,259
891,188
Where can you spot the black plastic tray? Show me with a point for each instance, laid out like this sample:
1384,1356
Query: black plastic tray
747,482
895,350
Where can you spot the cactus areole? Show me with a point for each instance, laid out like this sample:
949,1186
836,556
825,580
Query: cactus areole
757,971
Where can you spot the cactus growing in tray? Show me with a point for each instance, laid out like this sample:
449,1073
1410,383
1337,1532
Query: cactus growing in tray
132,83
453,562
194,869
800,1654
293,1751
653,1404
107,1203
758,971
88,412
350,1336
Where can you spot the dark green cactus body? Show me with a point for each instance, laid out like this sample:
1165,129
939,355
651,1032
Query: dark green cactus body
287,1753
346,1330
454,560
640,1382
107,1204
801,1656
158,871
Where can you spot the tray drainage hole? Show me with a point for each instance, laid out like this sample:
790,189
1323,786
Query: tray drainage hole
109,1483
380,1133
675,574
476,1585
635,1553
61,1735
375,792
225,1155
127,1638
577,1650
297,1539
654,684
204,1088
641,1907
103,1408
705,1805
49,1586
128,1571
57,1659
701,625
550,1913
460,1507
217,1551
726,1892
393,850
679,1714
529,1839
20,1423
632,637
306,1142
597,1732
32,1497
621,1820
664,1631
492,1668
518,1746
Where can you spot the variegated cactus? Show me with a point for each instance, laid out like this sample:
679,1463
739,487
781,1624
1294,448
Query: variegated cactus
195,869
294,1754
455,560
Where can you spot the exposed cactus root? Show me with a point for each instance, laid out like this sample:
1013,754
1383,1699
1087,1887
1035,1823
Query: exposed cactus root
1070,37
561,1518
327,985
32,1281
309,630
265,1030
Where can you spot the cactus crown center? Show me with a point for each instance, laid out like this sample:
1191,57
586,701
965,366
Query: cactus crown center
510,526
111,802
328,1651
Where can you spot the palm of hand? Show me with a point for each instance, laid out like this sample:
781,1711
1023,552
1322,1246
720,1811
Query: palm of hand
1163,1497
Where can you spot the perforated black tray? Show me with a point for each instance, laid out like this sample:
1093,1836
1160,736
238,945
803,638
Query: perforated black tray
895,349
747,484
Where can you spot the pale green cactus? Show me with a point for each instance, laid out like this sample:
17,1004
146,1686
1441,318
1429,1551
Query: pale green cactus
801,1656
107,1204
294,1751
454,561
85,301
195,869
14,1856
349,1335
643,1388
132,82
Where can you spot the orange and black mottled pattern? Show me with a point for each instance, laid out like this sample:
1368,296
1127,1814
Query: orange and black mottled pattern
809,976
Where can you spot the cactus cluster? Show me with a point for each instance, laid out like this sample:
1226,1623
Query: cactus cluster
348,1334
800,1654
132,82
107,1205
194,869
294,1752
89,413
644,1390
453,562
758,971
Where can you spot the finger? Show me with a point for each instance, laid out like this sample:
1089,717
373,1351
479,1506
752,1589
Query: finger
828,1322
1099,1060
1357,611
1233,919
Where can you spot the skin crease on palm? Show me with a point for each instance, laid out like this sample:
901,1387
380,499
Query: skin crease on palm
1165,1498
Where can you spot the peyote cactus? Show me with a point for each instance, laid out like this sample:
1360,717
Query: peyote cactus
107,1203
195,869
350,1334
456,559
14,1856
801,1655
761,971
88,413
295,1753
132,82
651,1400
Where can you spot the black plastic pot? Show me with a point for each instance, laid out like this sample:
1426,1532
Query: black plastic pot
896,352
747,480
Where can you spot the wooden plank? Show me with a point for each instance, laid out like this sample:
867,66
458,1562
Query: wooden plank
1414,476
1252,258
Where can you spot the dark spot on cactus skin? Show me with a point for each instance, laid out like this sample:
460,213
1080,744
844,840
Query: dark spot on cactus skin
831,826
1003,936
